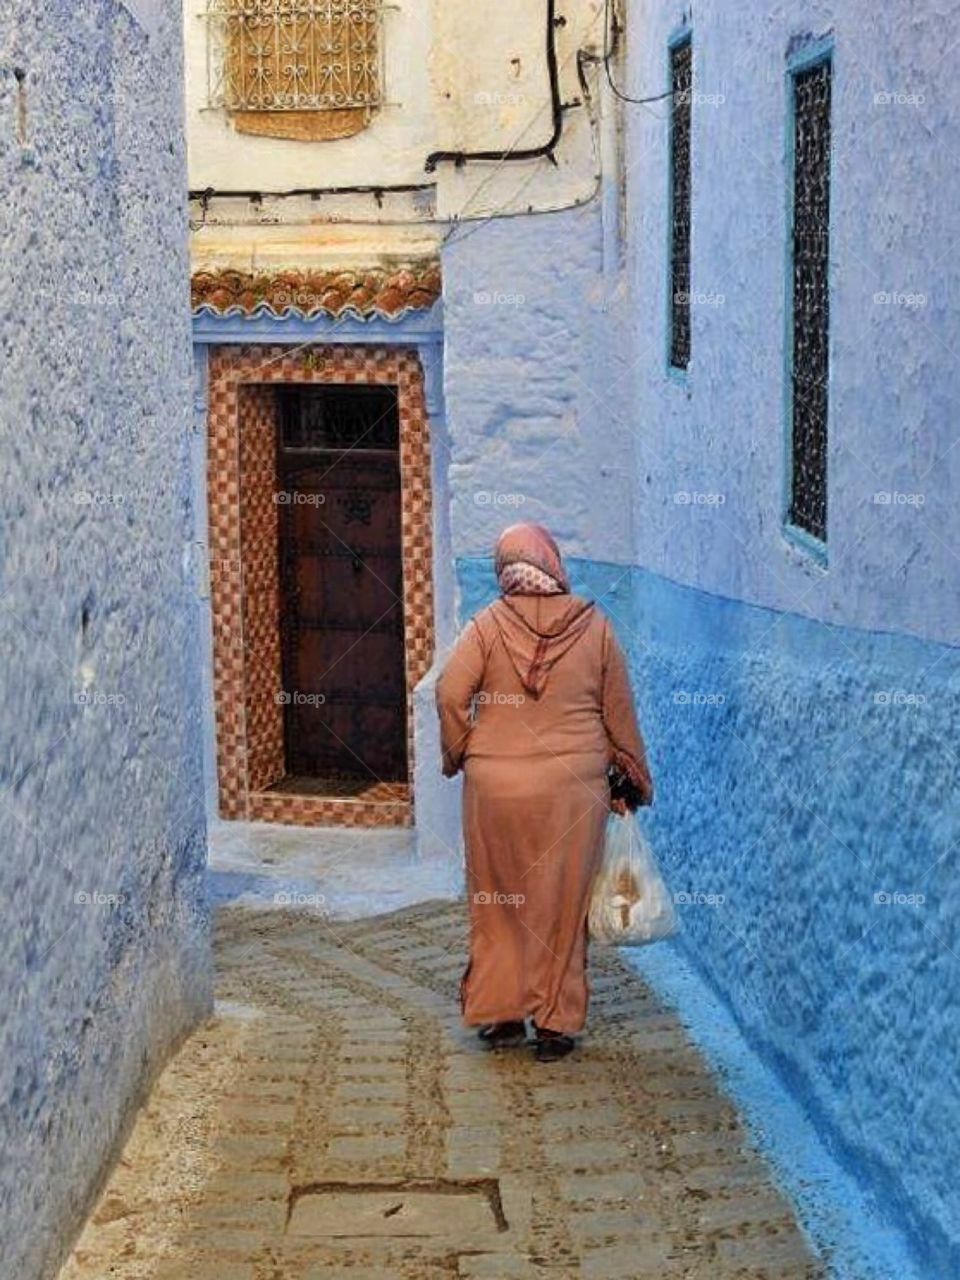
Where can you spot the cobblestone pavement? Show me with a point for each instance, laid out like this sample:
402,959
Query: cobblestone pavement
335,1119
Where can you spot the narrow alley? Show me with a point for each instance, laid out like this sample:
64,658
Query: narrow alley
479,497
335,1119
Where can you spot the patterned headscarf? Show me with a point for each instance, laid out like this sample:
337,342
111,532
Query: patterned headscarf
528,562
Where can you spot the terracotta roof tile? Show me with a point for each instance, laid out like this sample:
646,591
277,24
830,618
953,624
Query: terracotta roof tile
309,293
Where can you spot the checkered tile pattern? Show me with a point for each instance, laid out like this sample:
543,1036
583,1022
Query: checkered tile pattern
245,579
261,585
383,805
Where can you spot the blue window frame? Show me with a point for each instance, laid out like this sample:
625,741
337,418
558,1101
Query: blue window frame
810,84
679,219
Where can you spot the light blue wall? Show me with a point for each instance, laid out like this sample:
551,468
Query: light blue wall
895,285
103,929
536,383
813,765
801,771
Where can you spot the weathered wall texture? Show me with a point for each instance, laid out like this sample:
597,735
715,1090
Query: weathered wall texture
535,385
806,761
807,811
456,77
895,373
102,938
801,720
390,150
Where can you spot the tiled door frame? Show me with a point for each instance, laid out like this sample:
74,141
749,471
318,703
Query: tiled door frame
247,716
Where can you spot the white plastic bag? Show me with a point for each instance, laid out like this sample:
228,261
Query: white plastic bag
630,905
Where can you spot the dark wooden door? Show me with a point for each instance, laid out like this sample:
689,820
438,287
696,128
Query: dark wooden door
345,716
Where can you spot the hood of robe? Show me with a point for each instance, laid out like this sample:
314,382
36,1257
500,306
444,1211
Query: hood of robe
537,631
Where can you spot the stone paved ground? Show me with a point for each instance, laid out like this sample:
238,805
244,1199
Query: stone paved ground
336,1120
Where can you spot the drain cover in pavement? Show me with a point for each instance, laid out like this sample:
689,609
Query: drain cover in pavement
395,1211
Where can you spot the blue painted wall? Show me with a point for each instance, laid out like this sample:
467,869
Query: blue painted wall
807,809
535,385
806,760
104,948
806,777
894,470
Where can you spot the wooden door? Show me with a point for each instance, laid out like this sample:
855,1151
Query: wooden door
341,567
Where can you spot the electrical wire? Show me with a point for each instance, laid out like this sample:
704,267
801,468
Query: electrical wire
610,32
502,211
547,148
510,153
478,223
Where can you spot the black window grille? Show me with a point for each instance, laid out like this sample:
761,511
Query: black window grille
810,302
681,67
338,417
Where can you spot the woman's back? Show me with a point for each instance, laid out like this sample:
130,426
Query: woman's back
535,707
566,718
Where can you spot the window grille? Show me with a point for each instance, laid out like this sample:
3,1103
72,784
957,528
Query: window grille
295,55
681,68
810,310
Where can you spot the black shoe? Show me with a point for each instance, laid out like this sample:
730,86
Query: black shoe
503,1035
553,1045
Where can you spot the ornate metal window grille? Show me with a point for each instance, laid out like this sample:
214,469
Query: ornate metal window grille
338,417
295,55
681,77
810,301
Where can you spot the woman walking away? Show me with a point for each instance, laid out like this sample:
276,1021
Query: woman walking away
536,709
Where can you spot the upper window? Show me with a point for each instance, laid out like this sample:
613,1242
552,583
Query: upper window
681,72
308,69
809,297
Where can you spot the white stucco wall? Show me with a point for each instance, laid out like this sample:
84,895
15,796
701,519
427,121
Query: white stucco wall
538,378
390,150
103,940
895,375
491,80
458,77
